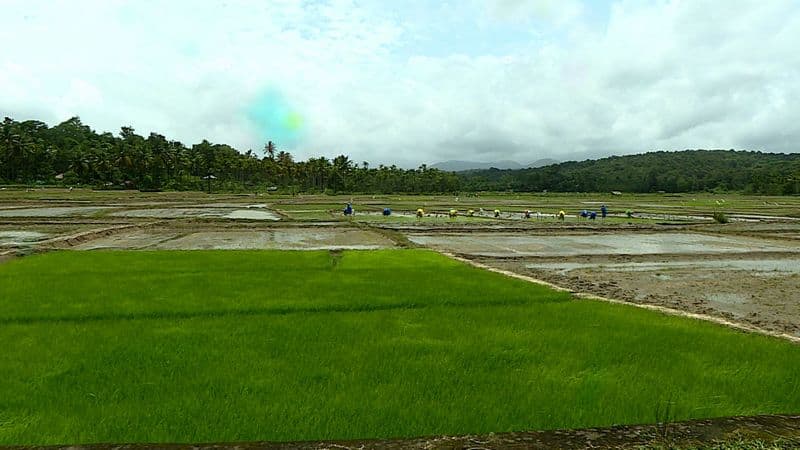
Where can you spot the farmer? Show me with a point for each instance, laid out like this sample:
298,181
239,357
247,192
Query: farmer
420,213
453,213
496,213
592,215
603,211
561,215
348,210
527,214
470,212
584,213
387,211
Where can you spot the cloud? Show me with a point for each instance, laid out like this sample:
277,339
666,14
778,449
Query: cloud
415,84
556,12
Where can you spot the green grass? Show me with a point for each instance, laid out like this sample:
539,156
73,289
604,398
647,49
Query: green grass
238,346
673,204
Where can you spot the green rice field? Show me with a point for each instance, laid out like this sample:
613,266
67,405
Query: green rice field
222,346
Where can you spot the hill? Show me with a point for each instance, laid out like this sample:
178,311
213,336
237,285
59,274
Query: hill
682,171
463,166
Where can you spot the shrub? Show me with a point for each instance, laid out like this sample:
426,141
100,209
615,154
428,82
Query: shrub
720,217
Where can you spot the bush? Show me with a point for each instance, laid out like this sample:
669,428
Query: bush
71,178
720,217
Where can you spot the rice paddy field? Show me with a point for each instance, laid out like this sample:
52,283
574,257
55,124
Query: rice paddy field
225,346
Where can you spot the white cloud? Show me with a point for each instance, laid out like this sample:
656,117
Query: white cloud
658,75
557,12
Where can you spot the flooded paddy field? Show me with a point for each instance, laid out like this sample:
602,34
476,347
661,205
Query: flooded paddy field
283,238
15,235
670,253
760,292
63,211
625,243
20,238
248,213
746,280
749,276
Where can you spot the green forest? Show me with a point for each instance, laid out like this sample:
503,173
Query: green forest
683,171
72,154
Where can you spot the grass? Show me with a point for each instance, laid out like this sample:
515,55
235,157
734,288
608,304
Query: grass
238,346
687,203
733,444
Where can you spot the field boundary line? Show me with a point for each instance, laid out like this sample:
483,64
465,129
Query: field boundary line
661,309
694,433
77,238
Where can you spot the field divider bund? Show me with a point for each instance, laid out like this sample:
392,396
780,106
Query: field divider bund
73,239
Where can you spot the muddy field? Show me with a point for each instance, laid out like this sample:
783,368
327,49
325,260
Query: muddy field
669,254
318,238
745,279
501,244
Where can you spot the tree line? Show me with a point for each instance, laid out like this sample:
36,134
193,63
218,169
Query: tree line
683,171
73,154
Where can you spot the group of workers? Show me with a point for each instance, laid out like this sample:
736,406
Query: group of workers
590,215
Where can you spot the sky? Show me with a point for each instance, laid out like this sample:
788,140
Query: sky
414,81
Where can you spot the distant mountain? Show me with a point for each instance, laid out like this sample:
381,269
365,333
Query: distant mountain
462,166
542,163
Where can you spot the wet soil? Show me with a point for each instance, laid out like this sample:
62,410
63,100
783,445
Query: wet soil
53,212
133,240
758,289
282,238
20,238
502,244
742,278
745,272
177,213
